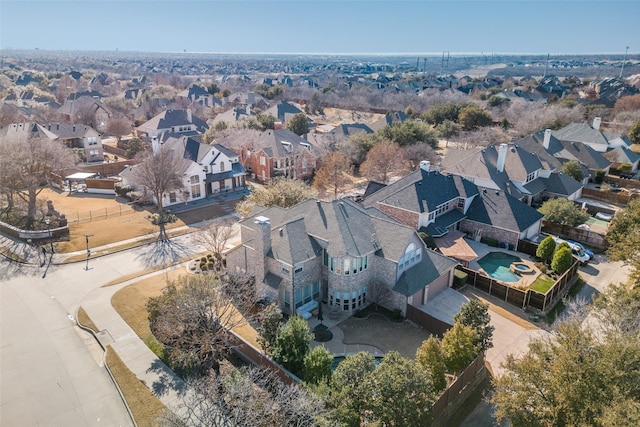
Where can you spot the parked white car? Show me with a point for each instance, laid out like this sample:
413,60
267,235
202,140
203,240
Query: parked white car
576,250
604,216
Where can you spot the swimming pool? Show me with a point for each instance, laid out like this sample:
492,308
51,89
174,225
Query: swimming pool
497,264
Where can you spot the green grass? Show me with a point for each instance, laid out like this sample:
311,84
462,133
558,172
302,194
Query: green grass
542,284
155,346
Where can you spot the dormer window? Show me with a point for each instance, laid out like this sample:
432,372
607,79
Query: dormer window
531,176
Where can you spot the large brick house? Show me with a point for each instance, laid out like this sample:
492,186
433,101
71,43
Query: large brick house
340,253
277,153
436,203
175,122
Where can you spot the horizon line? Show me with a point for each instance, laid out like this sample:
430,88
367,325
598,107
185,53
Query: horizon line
381,54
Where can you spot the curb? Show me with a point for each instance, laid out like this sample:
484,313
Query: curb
104,362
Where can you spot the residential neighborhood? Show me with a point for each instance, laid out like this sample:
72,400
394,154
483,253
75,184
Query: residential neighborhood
185,223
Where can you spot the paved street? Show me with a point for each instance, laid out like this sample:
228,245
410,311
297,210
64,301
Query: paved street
50,373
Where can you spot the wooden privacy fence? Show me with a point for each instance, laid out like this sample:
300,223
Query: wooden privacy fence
520,298
587,237
621,198
453,394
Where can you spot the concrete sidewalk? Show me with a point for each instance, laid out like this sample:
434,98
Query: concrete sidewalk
135,354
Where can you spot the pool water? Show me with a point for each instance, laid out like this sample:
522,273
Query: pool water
497,264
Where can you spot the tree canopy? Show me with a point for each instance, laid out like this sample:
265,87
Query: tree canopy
475,314
623,236
563,211
332,174
292,344
191,319
546,248
383,160
409,133
573,169
25,164
562,259
283,192
299,124
474,117
584,374
634,132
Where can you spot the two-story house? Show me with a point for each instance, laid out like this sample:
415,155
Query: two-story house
523,169
175,122
79,136
198,95
340,253
277,153
206,169
438,203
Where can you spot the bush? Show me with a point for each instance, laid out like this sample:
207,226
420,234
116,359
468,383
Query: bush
396,314
489,241
122,190
459,278
599,176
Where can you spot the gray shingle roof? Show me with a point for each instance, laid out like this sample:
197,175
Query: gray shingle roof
422,191
561,184
431,266
581,132
276,141
502,210
622,155
171,118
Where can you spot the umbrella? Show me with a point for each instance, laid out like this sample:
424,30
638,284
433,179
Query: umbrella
320,318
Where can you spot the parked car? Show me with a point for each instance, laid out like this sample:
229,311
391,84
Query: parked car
589,252
576,250
604,216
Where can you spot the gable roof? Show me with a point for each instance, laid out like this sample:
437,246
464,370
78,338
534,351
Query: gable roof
431,266
622,155
422,191
340,226
581,132
282,110
389,119
562,184
502,210
171,118
281,143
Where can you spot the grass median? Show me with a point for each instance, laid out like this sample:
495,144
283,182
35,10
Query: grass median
145,407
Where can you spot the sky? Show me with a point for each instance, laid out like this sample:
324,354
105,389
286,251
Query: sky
323,26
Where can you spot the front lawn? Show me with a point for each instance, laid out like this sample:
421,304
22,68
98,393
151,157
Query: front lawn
542,284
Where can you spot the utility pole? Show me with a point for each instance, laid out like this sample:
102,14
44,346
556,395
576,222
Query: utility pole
86,237
624,60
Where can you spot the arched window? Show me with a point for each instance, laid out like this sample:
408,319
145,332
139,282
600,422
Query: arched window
411,255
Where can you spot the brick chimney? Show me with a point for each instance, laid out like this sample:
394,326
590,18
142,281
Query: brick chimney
277,126
547,139
502,156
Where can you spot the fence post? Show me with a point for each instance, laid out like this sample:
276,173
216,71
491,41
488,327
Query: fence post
106,214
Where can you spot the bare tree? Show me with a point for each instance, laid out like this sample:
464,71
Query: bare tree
383,160
416,153
27,162
380,293
192,319
332,174
86,111
118,127
8,114
214,237
161,173
248,397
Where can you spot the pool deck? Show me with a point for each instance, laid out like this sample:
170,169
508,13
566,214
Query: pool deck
525,279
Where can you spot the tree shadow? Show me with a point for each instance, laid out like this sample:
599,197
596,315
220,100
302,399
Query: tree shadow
167,380
164,253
